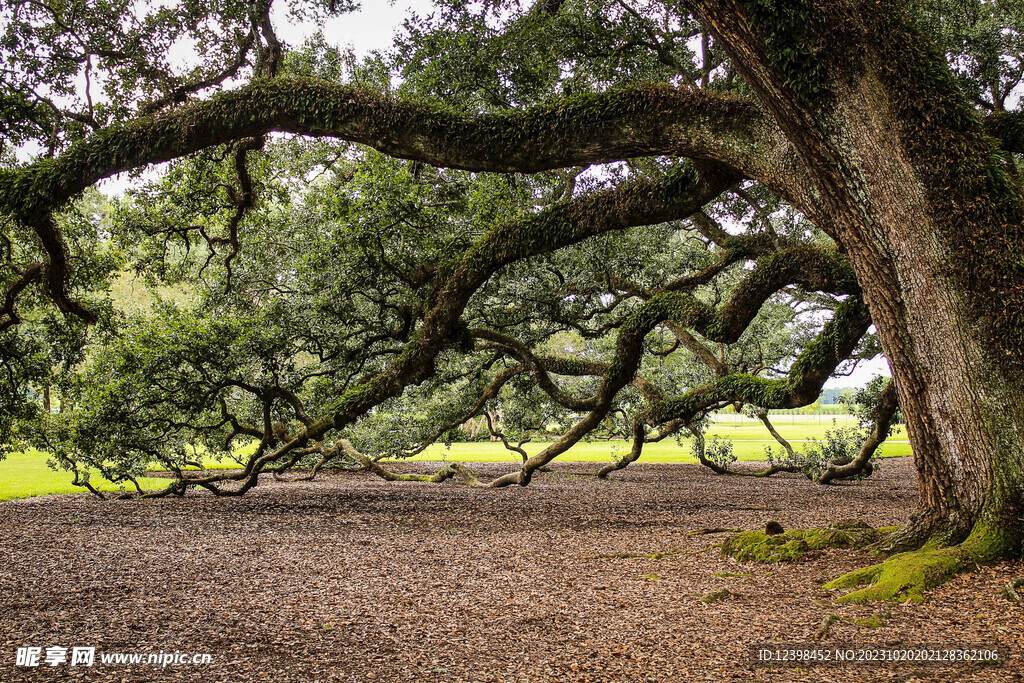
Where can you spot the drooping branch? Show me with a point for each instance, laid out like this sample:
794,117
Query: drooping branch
762,415
539,371
517,448
243,198
55,273
885,411
639,437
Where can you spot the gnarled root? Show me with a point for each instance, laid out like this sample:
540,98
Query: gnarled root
1013,590
906,576
921,531
903,577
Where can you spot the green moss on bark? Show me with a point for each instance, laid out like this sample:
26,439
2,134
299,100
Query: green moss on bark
903,578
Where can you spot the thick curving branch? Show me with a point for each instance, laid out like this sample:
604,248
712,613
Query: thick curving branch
539,369
640,203
644,202
834,344
643,120
802,386
817,268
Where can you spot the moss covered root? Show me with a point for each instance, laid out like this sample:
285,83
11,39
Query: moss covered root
793,545
903,578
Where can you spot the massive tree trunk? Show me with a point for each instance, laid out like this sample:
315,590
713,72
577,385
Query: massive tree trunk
905,180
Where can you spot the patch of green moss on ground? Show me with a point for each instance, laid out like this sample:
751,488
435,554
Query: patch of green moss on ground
793,545
718,596
876,620
757,546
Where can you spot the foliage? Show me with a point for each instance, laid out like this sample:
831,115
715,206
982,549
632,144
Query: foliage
717,450
864,402
307,300
841,445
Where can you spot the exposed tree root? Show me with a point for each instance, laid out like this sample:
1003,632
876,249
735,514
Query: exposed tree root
718,596
906,576
795,544
1012,588
903,577
826,626
915,534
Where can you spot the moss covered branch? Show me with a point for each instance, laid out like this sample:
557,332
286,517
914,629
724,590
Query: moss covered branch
643,120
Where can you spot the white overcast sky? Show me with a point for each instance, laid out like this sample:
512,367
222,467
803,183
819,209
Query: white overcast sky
370,28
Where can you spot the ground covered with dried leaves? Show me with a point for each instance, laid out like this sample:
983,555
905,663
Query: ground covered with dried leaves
571,579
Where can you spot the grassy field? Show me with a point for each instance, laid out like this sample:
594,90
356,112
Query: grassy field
749,439
26,474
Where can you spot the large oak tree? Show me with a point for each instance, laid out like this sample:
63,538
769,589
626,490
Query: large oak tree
888,125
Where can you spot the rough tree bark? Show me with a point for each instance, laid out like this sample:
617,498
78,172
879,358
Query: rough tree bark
905,180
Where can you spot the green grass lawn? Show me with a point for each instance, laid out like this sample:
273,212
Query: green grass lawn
26,474
749,439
